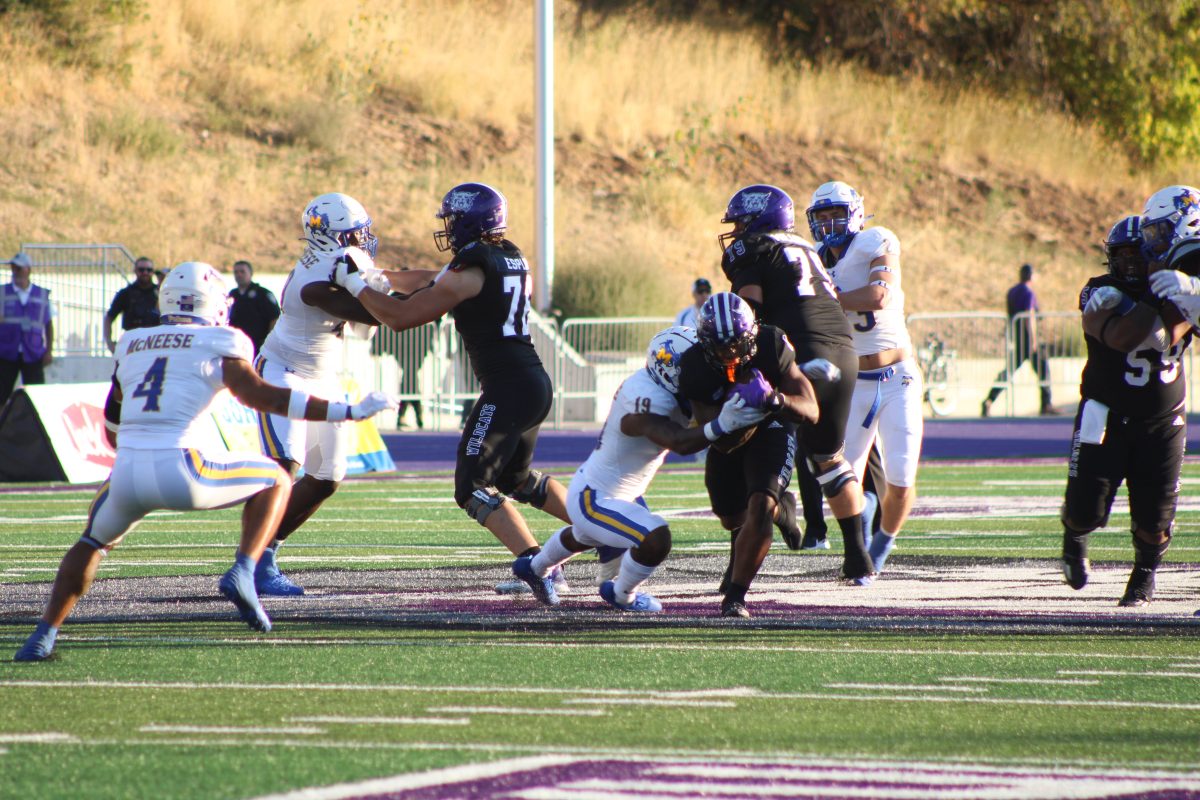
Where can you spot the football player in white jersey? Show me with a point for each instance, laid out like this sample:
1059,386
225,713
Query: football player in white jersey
605,500
165,379
886,410
303,352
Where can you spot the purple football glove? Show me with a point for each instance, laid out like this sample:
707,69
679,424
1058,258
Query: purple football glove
756,392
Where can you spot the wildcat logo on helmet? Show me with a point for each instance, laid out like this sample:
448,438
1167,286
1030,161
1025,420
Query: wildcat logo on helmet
755,202
461,201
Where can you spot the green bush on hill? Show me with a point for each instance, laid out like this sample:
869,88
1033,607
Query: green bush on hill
1134,68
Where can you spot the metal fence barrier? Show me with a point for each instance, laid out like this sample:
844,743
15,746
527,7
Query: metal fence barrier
966,355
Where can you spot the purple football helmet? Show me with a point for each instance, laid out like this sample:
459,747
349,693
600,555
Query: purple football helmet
1123,249
469,212
759,207
728,332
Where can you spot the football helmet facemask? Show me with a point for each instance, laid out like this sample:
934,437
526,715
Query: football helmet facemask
1123,248
836,230
728,332
194,293
335,220
758,207
469,212
1170,215
662,356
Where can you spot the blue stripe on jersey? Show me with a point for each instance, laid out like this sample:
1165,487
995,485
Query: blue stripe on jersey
608,519
97,501
268,439
234,473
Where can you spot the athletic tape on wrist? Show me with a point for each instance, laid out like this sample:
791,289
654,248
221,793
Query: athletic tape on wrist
297,404
712,431
337,412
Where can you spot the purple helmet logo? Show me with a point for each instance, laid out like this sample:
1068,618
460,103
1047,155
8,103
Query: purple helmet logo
728,332
758,208
469,212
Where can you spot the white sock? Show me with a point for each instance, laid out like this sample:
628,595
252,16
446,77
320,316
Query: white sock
631,576
553,553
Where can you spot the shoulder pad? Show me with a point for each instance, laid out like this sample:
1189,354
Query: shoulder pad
474,254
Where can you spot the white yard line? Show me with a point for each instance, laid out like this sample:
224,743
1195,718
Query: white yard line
383,720
649,701
303,730
1133,673
1046,681
516,711
37,738
903,687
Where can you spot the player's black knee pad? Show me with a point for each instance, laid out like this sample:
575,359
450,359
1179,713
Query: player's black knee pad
1081,524
836,478
482,503
534,490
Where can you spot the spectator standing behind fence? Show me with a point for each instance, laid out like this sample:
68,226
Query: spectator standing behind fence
136,304
701,291
1021,299
254,309
26,330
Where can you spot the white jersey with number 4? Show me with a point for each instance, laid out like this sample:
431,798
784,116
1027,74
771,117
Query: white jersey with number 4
874,331
169,374
305,339
622,466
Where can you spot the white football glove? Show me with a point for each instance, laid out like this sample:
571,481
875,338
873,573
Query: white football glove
348,271
1101,299
734,416
820,369
371,405
376,279
1172,283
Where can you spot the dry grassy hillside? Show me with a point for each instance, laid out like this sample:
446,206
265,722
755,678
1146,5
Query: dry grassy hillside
215,122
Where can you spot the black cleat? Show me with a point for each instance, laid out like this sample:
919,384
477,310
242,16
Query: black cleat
1140,589
735,609
815,540
1075,572
787,521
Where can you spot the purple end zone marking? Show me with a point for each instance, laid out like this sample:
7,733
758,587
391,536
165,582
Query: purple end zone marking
832,780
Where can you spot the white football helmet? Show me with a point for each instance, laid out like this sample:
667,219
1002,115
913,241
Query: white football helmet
1170,215
836,194
335,220
662,356
193,292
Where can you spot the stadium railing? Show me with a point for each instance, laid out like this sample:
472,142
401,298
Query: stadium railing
587,358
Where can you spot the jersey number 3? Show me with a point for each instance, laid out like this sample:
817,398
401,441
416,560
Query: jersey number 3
152,384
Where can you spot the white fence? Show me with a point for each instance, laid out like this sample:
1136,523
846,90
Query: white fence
587,358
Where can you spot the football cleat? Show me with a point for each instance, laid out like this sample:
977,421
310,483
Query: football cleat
787,522
39,646
1140,589
855,577
642,602
735,609
814,541
542,588
1075,572
238,587
516,586
270,582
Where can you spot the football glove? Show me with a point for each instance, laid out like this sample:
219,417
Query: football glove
371,405
347,272
820,369
1172,283
1102,299
734,416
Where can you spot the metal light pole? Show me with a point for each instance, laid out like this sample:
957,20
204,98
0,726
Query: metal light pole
543,114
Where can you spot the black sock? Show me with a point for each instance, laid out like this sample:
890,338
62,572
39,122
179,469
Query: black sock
532,551
736,593
1075,544
852,538
1148,556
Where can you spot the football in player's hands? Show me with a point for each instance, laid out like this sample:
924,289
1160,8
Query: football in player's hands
754,390
1102,298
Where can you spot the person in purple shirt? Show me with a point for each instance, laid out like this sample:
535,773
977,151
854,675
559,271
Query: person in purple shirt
1021,298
